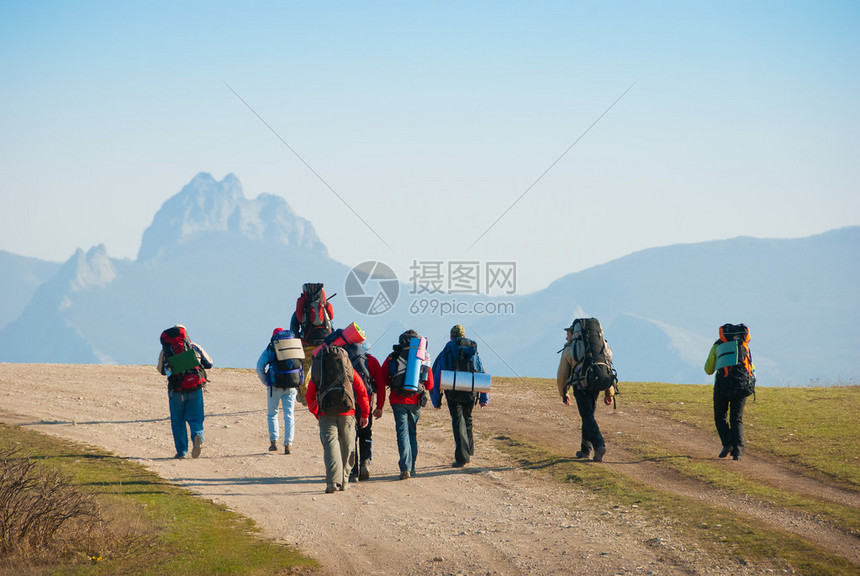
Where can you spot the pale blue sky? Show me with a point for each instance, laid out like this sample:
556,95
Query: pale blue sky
431,119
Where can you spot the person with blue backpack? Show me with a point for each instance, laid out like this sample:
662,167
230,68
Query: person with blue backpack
730,361
407,375
459,354
279,368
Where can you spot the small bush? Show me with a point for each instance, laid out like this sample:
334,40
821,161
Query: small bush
35,503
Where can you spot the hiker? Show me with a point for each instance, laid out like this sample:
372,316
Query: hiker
185,364
407,396
312,323
573,374
369,369
459,354
279,368
334,391
731,362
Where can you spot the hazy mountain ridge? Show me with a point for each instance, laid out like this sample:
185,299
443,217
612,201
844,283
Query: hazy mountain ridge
230,269
208,260
21,276
661,308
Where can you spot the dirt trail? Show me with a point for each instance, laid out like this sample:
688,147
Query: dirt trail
630,425
488,518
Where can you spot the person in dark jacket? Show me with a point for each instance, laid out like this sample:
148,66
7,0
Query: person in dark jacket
586,400
460,353
729,402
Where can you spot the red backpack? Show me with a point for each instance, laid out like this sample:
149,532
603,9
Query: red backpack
314,313
182,365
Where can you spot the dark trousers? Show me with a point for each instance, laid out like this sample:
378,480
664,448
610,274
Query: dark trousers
461,423
586,403
364,437
731,429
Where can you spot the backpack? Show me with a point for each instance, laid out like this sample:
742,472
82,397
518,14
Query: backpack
184,371
734,376
312,313
595,372
465,359
332,372
288,355
358,357
398,362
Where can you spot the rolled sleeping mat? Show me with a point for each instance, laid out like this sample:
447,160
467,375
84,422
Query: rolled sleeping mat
415,357
352,334
465,381
289,349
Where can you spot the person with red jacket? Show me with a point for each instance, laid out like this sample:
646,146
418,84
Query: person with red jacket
405,406
337,431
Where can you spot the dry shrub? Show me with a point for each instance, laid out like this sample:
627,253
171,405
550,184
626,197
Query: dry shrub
45,518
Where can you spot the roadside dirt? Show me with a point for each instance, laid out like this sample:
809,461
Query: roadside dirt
488,518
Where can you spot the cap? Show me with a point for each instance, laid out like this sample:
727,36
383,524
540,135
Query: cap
570,328
276,330
457,331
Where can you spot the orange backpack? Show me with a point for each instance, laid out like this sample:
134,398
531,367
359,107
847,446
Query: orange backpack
735,371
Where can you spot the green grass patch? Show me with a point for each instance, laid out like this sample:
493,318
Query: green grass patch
720,532
173,531
811,427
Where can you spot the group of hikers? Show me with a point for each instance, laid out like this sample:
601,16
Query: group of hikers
337,378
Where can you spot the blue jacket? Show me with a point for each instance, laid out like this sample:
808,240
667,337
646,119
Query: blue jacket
447,360
267,358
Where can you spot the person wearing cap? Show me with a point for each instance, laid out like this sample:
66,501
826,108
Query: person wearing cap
277,396
586,400
460,353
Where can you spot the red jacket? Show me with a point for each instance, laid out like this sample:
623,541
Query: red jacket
378,378
396,398
358,389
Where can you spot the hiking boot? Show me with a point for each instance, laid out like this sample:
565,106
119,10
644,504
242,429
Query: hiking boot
273,447
288,448
198,445
598,453
330,489
404,475
353,476
364,473
456,464
583,454
179,456
725,451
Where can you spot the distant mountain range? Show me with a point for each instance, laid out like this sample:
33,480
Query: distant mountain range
230,269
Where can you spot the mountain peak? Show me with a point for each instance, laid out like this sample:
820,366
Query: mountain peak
93,268
205,206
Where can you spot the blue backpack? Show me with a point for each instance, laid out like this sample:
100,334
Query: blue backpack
288,354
